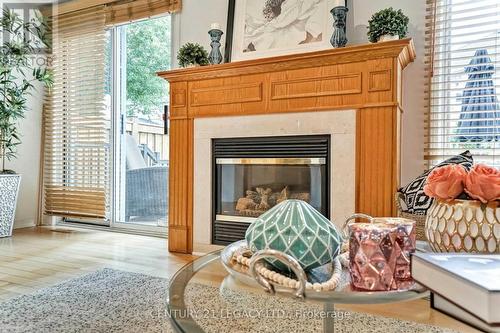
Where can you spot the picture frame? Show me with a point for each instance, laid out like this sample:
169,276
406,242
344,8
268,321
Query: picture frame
272,40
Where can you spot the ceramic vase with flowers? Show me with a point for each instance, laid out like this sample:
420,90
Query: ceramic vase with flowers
465,215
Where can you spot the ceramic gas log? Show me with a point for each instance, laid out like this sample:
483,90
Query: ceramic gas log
262,199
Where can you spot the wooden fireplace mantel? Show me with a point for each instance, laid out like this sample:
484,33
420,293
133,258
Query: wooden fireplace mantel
366,78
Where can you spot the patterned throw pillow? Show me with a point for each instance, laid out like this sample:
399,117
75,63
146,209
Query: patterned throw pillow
412,198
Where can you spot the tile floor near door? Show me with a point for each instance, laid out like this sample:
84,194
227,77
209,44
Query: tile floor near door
38,257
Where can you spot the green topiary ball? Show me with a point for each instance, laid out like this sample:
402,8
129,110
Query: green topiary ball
387,22
192,54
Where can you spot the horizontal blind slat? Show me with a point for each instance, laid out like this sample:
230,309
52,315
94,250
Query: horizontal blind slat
443,29
444,18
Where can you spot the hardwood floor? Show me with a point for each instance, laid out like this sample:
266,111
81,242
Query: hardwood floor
39,257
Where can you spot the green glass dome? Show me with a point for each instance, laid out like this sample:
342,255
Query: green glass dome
297,229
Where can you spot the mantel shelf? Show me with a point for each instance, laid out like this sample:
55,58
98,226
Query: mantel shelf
403,49
366,78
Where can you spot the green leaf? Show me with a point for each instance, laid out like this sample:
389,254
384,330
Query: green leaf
15,85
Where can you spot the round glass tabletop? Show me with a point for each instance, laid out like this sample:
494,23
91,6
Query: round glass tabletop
204,297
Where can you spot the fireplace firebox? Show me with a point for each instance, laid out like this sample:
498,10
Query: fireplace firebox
251,175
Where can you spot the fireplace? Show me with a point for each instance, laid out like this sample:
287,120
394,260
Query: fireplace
353,94
251,175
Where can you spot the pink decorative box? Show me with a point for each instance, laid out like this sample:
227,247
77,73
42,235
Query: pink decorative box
379,254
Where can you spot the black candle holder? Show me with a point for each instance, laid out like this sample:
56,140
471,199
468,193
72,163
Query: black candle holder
215,55
339,38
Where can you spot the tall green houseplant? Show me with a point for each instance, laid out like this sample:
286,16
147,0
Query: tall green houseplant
18,72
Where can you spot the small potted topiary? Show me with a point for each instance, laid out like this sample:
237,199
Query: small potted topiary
387,24
192,54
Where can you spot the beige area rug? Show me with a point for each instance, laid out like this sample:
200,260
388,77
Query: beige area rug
110,300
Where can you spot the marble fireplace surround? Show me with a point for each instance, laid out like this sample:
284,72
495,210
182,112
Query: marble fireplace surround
365,79
341,125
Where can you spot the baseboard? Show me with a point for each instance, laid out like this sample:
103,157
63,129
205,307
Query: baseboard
25,223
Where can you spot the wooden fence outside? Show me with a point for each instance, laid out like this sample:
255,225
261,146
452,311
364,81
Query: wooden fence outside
151,135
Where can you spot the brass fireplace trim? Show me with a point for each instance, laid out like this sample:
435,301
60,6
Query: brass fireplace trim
233,218
271,161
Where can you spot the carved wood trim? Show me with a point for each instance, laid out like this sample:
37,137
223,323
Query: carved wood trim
306,90
205,96
178,98
378,159
380,80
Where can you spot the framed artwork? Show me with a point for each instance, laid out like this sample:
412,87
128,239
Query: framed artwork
264,28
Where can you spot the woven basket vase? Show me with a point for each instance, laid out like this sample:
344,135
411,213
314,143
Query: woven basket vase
419,219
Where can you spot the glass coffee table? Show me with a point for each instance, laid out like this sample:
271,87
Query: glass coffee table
204,297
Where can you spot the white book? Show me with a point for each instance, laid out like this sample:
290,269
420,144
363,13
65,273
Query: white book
442,305
468,281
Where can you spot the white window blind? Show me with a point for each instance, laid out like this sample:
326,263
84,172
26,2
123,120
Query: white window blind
463,58
76,168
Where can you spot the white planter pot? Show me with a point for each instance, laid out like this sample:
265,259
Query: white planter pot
386,38
9,189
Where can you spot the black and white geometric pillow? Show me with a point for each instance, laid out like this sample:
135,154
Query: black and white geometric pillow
412,198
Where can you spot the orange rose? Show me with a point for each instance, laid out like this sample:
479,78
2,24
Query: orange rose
446,182
483,183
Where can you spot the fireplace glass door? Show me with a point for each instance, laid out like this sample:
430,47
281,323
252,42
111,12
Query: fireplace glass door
253,174
249,187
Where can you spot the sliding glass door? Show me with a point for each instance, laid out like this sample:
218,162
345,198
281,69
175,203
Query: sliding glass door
138,102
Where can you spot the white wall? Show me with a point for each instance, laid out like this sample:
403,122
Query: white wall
412,154
28,162
193,23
